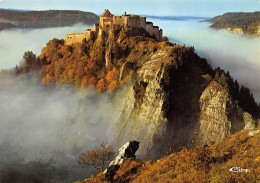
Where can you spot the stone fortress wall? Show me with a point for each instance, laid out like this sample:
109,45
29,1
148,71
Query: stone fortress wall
74,38
106,22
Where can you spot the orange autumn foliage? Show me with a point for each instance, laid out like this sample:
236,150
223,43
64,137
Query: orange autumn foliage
47,79
101,86
200,164
84,64
113,85
112,75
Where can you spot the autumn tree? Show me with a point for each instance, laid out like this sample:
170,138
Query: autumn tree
101,85
98,158
113,85
112,75
29,61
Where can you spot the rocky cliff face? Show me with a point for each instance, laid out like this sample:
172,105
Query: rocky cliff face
173,99
214,122
142,116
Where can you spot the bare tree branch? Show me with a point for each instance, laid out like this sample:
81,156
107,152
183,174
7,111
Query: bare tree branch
97,158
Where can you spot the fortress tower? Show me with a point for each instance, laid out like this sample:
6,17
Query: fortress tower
108,20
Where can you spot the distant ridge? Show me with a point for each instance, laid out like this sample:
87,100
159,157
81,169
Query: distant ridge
240,23
177,17
18,10
44,19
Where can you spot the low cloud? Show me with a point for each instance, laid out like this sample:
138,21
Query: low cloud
52,126
15,42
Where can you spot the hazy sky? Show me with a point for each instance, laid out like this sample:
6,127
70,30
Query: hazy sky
152,7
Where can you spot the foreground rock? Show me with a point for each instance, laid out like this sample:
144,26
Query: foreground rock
126,151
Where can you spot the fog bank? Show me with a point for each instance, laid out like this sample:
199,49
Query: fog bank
50,127
14,42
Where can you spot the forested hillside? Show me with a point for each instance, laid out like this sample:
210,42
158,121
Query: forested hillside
44,19
248,22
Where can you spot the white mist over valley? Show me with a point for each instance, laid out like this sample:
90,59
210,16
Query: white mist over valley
14,42
50,127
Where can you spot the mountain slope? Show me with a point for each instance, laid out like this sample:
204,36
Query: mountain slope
198,164
242,23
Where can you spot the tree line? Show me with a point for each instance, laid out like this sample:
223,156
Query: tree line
241,94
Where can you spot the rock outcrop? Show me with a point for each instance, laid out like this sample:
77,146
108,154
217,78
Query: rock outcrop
125,152
128,150
214,122
250,123
252,133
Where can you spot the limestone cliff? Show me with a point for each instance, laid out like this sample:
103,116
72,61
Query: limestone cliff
214,122
172,98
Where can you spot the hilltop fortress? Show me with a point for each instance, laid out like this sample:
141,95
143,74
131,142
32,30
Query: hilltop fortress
108,20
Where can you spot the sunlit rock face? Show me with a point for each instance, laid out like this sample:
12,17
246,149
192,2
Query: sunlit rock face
249,121
220,115
142,116
214,122
126,151
161,108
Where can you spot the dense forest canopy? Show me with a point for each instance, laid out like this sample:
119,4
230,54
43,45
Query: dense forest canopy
248,22
43,19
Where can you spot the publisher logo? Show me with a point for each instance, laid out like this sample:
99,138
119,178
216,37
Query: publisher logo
237,169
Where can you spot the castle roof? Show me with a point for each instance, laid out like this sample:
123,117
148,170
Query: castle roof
107,14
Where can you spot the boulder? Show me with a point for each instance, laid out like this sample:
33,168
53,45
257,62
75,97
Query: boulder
126,151
249,121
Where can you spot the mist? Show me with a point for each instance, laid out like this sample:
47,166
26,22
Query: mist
237,54
44,129
14,42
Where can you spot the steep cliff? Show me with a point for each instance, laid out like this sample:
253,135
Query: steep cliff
173,96
214,122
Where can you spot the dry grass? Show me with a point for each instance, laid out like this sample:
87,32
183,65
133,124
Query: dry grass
199,164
